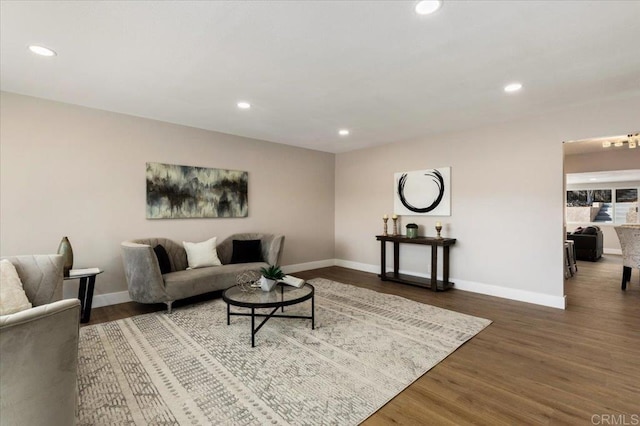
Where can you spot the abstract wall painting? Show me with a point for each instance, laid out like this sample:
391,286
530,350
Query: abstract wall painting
181,192
423,192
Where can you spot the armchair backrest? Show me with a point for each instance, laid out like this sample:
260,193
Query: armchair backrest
629,237
41,276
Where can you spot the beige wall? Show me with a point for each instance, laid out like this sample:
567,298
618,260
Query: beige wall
621,159
74,171
507,199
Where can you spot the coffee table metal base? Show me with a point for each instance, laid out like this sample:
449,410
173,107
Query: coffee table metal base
272,314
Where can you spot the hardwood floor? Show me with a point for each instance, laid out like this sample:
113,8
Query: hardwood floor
533,365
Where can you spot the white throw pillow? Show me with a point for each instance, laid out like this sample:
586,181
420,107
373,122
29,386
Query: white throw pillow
12,296
201,255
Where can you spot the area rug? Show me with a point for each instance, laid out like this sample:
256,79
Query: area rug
191,368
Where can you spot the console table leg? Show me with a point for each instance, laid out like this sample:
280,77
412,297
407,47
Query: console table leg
445,267
396,259
434,268
383,261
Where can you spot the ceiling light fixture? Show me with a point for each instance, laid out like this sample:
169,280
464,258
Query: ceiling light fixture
631,140
513,87
244,105
41,50
427,7
343,132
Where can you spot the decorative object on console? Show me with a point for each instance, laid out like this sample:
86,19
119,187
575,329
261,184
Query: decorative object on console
67,255
412,230
270,276
176,192
385,219
423,192
395,224
438,229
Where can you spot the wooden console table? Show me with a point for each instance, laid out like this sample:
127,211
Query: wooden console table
432,282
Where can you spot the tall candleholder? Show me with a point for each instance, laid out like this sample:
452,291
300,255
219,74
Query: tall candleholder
395,225
438,229
385,220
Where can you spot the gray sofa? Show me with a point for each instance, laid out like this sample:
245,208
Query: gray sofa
147,284
39,349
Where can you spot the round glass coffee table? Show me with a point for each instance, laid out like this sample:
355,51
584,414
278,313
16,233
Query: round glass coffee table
283,295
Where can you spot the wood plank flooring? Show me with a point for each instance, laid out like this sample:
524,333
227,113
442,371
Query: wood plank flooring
533,365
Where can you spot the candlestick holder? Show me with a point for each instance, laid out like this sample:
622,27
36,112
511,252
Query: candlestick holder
395,225
385,220
438,229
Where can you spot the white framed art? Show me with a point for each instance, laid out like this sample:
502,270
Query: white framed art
423,192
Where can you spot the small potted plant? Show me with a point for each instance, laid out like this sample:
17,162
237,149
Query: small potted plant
270,277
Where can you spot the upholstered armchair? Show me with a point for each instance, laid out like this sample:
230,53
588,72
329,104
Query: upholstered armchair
39,349
629,236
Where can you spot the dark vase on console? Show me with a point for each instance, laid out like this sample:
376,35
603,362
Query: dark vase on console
67,255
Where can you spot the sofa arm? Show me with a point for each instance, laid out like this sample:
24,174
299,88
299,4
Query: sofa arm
38,364
143,275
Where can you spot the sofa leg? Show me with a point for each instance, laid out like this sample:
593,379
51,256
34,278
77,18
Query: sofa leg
169,303
626,276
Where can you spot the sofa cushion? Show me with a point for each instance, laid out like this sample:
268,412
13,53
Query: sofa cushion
163,259
246,251
182,284
12,296
201,255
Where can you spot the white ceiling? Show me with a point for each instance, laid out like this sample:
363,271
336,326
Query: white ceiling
310,68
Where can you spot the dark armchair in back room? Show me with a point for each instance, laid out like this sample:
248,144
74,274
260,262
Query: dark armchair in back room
588,243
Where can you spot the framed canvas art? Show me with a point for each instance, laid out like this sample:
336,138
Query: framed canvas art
180,192
423,192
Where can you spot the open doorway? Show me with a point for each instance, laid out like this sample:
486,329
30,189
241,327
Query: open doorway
602,191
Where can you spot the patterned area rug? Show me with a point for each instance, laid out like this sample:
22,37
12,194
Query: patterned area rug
190,368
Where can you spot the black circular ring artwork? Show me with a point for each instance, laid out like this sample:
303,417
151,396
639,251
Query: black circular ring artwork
437,179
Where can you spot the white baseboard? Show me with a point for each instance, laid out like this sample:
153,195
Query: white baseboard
472,286
612,251
365,267
292,269
100,300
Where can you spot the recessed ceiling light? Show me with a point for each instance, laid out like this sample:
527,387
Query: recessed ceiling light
606,144
343,132
593,179
244,105
41,50
513,87
618,143
427,7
